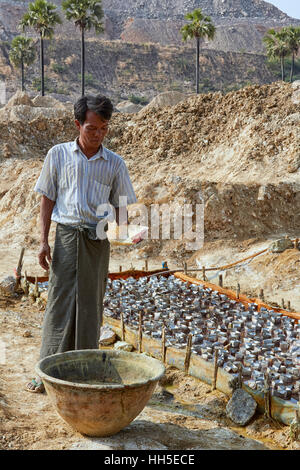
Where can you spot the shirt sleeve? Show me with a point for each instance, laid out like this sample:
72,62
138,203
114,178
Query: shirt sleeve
47,181
122,192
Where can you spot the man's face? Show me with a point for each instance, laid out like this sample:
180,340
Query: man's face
92,131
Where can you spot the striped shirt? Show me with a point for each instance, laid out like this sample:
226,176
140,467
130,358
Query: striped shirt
79,185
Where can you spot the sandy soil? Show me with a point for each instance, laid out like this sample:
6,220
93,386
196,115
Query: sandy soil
182,414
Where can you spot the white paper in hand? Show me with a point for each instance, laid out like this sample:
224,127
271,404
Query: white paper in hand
126,235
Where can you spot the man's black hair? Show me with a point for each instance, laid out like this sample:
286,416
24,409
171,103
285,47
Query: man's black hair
100,105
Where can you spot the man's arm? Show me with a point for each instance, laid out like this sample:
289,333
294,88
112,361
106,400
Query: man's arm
45,219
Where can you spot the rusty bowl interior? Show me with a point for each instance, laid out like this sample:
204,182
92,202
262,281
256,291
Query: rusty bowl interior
99,392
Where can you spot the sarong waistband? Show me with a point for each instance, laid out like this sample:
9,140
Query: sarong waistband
90,230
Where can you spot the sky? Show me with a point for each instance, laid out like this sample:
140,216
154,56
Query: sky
291,7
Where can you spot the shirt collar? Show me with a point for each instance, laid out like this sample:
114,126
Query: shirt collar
100,154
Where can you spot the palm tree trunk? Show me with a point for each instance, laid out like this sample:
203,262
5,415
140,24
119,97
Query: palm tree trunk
292,67
82,61
22,74
42,64
197,65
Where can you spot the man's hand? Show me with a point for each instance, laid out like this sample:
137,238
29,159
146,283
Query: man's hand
44,256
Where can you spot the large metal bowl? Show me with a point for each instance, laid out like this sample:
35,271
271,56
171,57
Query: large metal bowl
99,392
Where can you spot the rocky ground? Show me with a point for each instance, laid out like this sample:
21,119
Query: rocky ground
182,414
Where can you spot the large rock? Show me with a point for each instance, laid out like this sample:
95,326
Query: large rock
19,98
296,92
241,407
107,336
123,346
46,102
281,245
7,285
128,107
169,98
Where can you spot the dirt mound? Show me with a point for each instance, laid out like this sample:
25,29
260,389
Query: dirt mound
251,136
28,130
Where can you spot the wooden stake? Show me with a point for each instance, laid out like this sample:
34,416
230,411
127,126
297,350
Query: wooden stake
261,295
26,285
185,268
122,327
36,289
220,280
214,384
289,305
146,265
140,331
163,344
238,290
203,273
188,354
120,269
295,424
240,380
267,395
19,268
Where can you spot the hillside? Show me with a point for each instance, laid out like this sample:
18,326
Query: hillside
241,24
122,69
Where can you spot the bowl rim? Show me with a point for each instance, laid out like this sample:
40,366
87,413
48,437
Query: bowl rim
47,378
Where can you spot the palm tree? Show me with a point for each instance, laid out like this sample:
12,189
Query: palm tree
292,35
200,26
86,14
42,17
277,47
22,53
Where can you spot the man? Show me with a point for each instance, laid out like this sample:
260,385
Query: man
78,177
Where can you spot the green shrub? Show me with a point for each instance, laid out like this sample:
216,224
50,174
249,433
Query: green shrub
88,79
138,100
58,68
